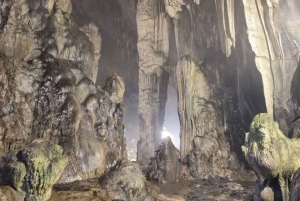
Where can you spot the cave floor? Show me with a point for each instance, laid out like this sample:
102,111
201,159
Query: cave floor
210,190
239,188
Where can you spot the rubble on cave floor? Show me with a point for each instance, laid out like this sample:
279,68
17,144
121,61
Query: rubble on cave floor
239,189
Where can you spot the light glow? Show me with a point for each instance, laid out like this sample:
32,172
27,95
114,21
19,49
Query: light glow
165,133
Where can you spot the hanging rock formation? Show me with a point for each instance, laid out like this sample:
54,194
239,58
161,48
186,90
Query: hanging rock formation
34,170
232,60
273,156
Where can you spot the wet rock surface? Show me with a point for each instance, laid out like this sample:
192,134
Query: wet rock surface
34,170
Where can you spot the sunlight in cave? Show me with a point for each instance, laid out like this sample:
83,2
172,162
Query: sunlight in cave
172,125
165,133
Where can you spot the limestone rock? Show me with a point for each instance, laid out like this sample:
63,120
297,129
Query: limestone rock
48,71
115,88
201,44
34,170
126,182
169,198
272,155
9,194
295,187
165,166
240,56
295,129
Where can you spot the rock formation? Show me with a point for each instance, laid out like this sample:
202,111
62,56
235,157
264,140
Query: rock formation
229,59
237,58
165,166
34,170
273,156
168,39
117,25
295,188
125,181
48,71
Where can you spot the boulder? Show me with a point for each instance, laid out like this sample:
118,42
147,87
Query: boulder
34,170
126,182
272,155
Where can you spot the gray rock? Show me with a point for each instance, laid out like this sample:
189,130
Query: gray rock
165,166
272,155
34,170
295,187
126,182
47,87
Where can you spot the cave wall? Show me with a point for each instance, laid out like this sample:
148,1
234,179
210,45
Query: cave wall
233,59
48,71
116,21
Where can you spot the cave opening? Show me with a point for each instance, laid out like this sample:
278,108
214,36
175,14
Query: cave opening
171,126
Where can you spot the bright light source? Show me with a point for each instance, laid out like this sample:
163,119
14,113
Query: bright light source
165,133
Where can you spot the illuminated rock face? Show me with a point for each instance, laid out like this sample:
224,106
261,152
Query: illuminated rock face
231,59
48,69
273,156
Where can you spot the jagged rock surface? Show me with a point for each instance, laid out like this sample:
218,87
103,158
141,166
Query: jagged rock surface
125,181
165,166
48,68
240,57
117,24
34,170
273,156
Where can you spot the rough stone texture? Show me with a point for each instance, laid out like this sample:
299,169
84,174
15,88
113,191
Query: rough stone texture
125,181
165,166
295,128
195,41
153,79
48,69
273,156
295,187
117,25
34,170
240,56
9,194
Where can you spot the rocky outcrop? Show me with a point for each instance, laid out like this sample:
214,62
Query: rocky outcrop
126,182
48,69
273,156
34,170
180,36
117,24
239,57
165,166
